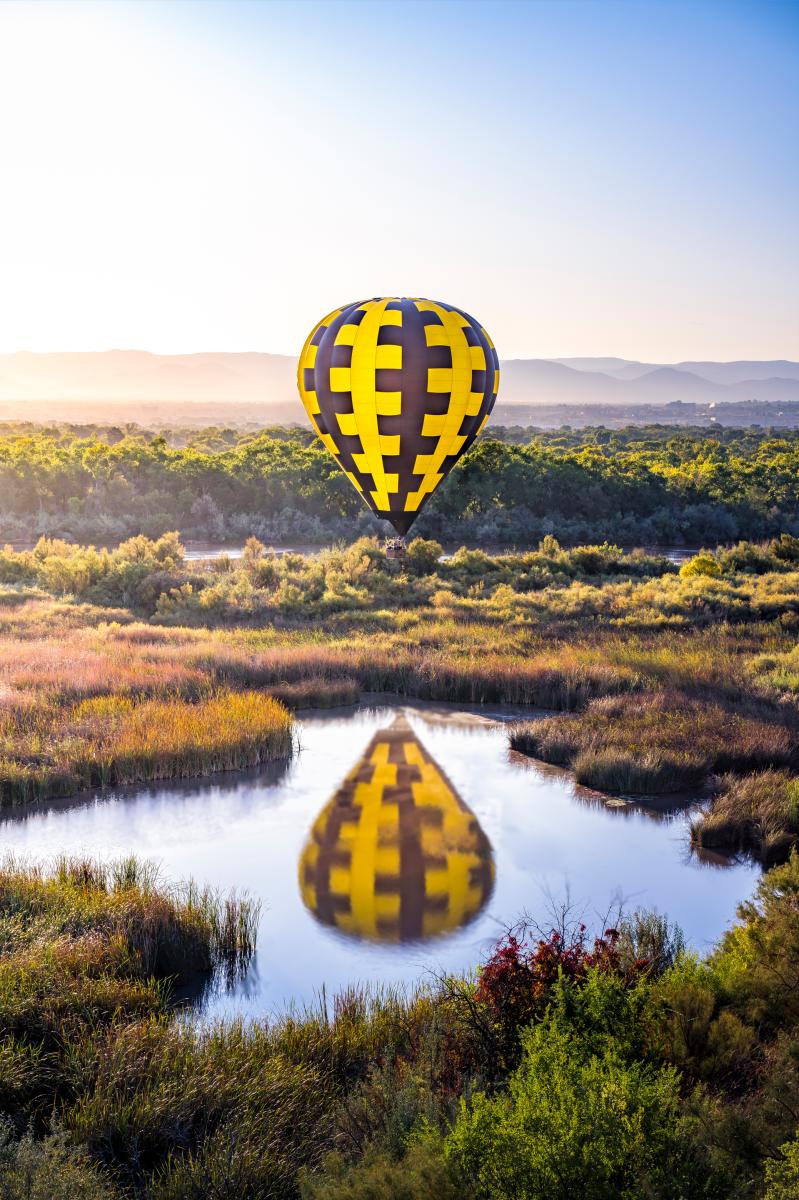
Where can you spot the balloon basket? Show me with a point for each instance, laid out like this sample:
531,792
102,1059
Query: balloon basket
395,549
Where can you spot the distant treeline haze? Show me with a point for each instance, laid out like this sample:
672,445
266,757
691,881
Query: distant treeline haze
645,485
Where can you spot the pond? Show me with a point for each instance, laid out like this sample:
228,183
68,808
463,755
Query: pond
399,841
211,551
203,551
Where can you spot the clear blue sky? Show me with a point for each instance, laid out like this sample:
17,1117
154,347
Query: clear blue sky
586,178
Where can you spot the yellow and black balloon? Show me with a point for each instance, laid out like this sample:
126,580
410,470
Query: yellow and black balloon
396,855
398,389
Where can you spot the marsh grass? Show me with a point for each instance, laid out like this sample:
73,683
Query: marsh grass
757,814
115,740
88,948
316,693
91,702
663,682
660,742
169,930
356,1096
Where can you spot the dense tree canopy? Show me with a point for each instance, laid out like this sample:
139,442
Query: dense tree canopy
646,484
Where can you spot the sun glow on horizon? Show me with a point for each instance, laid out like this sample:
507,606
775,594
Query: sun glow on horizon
588,179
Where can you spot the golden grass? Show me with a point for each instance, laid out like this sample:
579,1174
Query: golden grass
81,685
659,742
115,740
757,814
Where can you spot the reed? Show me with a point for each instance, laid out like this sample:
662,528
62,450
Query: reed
114,740
660,742
757,815
168,930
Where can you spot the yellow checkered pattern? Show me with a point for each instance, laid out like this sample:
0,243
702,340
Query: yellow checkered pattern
396,854
397,389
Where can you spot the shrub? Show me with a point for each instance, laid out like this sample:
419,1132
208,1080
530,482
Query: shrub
578,1120
782,1174
761,957
701,564
423,1173
48,1170
422,556
516,982
647,938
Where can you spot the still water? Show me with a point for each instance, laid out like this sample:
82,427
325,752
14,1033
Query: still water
210,551
398,841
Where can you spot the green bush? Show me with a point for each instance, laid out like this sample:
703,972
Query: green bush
422,556
701,564
423,1173
48,1170
782,1175
580,1118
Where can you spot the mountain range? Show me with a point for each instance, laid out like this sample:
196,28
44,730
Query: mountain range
115,376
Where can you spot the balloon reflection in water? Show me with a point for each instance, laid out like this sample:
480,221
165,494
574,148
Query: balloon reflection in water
396,855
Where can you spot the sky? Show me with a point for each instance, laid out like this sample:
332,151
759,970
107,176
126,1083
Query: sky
585,178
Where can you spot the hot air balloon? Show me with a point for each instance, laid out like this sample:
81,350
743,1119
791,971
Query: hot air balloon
397,390
396,855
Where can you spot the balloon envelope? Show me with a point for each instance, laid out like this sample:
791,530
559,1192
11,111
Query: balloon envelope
398,390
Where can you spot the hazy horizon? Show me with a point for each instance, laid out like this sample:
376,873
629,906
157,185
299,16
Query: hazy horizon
621,178
571,357
69,383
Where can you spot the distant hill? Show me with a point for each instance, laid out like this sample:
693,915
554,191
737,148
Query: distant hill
136,375
616,381
79,385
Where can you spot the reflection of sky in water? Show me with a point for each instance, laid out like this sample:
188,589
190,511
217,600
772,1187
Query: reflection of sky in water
248,831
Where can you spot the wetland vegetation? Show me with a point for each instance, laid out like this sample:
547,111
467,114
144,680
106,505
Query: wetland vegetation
572,1063
131,664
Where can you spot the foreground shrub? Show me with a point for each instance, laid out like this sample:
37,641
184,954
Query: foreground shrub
423,1173
756,814
48,1170
759,959
579,1119
516,982
782,1175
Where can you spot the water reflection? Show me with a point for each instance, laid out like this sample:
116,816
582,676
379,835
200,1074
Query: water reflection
396,855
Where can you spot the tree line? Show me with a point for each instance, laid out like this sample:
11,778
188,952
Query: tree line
645,485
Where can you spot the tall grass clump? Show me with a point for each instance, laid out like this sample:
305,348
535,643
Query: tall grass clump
756,814
168,930
159,739
116,740
660,742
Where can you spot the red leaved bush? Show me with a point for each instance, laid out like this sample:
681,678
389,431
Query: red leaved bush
515,982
